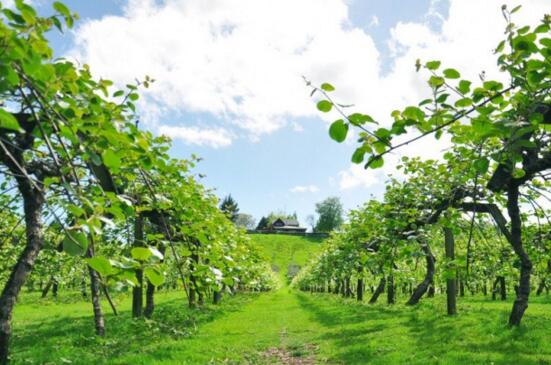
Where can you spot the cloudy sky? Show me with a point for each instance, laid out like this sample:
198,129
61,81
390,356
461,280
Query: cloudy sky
230,89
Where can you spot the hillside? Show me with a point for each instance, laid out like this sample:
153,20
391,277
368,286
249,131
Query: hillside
285,252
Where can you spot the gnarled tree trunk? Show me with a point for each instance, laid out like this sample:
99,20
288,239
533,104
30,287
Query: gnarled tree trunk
421,289
33,202
521,302
380,289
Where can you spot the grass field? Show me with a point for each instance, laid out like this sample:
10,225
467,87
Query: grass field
286,327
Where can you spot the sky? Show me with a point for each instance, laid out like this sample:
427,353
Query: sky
229,81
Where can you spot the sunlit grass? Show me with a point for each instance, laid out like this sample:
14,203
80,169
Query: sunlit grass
322,326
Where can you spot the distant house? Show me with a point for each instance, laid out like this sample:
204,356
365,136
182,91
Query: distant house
287,225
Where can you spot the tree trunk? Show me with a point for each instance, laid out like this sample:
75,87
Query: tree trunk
431,291
390,291
348,292
380,289
424,285
32,205
360,290
521,302
451,290
541,287
55,288
149,300
217,296
46,289
137,291
95,288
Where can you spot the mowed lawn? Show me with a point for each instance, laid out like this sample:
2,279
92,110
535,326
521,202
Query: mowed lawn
264,328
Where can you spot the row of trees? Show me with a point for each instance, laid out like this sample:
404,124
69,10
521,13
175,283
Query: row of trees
89,198
499,160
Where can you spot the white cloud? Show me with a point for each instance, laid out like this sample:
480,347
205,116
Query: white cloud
211,137
305,189
241,61
356,176
374,22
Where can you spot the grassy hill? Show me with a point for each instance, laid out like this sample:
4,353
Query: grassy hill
285,252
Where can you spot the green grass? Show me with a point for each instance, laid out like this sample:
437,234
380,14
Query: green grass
330,329
284,250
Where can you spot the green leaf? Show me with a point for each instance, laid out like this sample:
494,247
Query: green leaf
464,102
100,264
518,173
75,242
433,65
338,130
451,73
62,9
358,155
516,8
154,276
436,81
111,159
375,162
464,86
481,165
8,121
500,47
141,253
327,87
359,119
325,106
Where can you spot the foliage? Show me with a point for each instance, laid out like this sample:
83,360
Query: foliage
503,129
245,221
79,172
230,208
330,212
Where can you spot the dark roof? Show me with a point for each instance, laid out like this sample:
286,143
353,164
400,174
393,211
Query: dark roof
286,224
291,222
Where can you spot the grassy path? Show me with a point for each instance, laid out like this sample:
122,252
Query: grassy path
283,327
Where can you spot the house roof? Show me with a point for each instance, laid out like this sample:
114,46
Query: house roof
288,222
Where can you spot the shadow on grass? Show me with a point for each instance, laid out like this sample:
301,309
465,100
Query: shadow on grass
72,339
366,334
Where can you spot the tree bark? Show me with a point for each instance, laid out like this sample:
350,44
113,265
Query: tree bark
46,289
390,291
137,291
149,300
421,289
521,302
541,287
360,290
431,291
451,289
217,295
95,288
380,289
348,292
33,202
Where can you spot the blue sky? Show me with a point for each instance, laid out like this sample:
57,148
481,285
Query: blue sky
229,85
